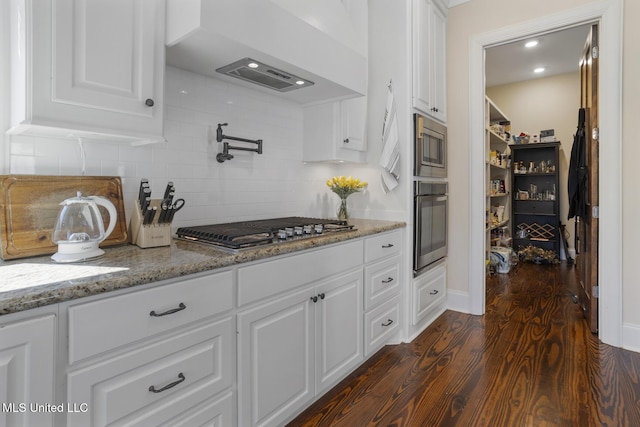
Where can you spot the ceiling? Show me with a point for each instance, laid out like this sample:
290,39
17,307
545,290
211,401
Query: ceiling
558,52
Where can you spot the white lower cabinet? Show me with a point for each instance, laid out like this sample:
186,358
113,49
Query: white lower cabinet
382,287
429,291
380,324
294,347
158,355
27,370
150,385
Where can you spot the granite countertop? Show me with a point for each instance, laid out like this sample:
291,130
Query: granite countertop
37,282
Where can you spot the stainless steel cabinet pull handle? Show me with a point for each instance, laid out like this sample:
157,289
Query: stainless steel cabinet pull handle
387,246
173,310
181,378
314,299
321,295
434,292
149,102
389,322
389,280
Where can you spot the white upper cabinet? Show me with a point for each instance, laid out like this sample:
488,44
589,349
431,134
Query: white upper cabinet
429,59
335,131
92,69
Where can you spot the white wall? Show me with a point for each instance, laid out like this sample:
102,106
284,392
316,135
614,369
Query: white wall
545,103
630,176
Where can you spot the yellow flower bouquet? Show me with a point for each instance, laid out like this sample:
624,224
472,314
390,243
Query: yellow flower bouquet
344,187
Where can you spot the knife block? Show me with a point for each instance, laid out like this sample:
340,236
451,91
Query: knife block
151,235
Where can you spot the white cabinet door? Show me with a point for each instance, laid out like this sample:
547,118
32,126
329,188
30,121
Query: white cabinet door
354,116
439,64
92,69
26,371
275,356
338,329
422,55
335,131
103,54
429,59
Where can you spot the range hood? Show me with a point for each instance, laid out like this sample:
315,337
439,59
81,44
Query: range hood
250,70
314,41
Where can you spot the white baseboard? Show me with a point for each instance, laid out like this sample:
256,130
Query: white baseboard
458,301
631,337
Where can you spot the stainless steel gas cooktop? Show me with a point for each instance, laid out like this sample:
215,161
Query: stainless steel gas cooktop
235,236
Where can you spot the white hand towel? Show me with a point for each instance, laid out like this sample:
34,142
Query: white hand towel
390,156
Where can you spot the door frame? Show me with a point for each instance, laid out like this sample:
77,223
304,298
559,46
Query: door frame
608,14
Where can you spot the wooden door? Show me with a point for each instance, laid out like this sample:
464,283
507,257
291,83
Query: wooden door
587,227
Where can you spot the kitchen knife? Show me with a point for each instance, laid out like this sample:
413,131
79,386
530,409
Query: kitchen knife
169,190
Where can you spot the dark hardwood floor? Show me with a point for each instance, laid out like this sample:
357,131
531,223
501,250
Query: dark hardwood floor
529,361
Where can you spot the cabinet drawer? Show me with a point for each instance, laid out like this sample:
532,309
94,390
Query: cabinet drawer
428,290
150,385
217,412
381,281
380,324
534,206
105,324
263,280
382,246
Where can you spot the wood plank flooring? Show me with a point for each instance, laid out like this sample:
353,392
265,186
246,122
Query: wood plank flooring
529,361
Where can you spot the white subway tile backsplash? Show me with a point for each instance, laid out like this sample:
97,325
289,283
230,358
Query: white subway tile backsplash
251,186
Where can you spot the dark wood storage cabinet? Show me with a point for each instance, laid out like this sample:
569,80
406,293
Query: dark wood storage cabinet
535,209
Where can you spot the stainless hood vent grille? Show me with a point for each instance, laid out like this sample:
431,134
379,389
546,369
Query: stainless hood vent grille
256,72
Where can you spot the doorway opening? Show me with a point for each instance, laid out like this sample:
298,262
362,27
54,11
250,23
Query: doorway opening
533,89
609,16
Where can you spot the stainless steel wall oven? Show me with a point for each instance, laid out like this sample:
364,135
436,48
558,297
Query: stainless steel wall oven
430,224
430,148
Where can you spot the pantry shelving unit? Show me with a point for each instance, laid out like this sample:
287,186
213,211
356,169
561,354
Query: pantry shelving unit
536,217
498,177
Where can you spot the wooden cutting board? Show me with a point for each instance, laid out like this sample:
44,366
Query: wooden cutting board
29,207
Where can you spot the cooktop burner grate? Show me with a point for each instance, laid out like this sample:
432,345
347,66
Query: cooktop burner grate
245,234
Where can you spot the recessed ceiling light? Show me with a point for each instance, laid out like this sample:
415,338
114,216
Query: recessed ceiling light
300,82
252,65
538,70
531,43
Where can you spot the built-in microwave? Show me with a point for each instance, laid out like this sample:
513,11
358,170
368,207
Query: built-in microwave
430,148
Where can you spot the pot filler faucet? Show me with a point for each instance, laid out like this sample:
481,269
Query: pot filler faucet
221,157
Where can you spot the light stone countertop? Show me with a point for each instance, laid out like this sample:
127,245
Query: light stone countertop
36,282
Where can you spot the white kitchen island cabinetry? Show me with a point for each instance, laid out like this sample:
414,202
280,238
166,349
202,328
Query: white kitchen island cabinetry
27,369
335,131
88,69
154,355
293,347
429,58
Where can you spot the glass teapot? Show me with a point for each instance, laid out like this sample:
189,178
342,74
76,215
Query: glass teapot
79,228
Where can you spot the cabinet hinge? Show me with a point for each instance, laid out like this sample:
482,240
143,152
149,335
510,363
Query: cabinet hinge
595,291
595,212
595,52
595,134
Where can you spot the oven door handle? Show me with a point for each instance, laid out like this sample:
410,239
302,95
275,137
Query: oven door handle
435,197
